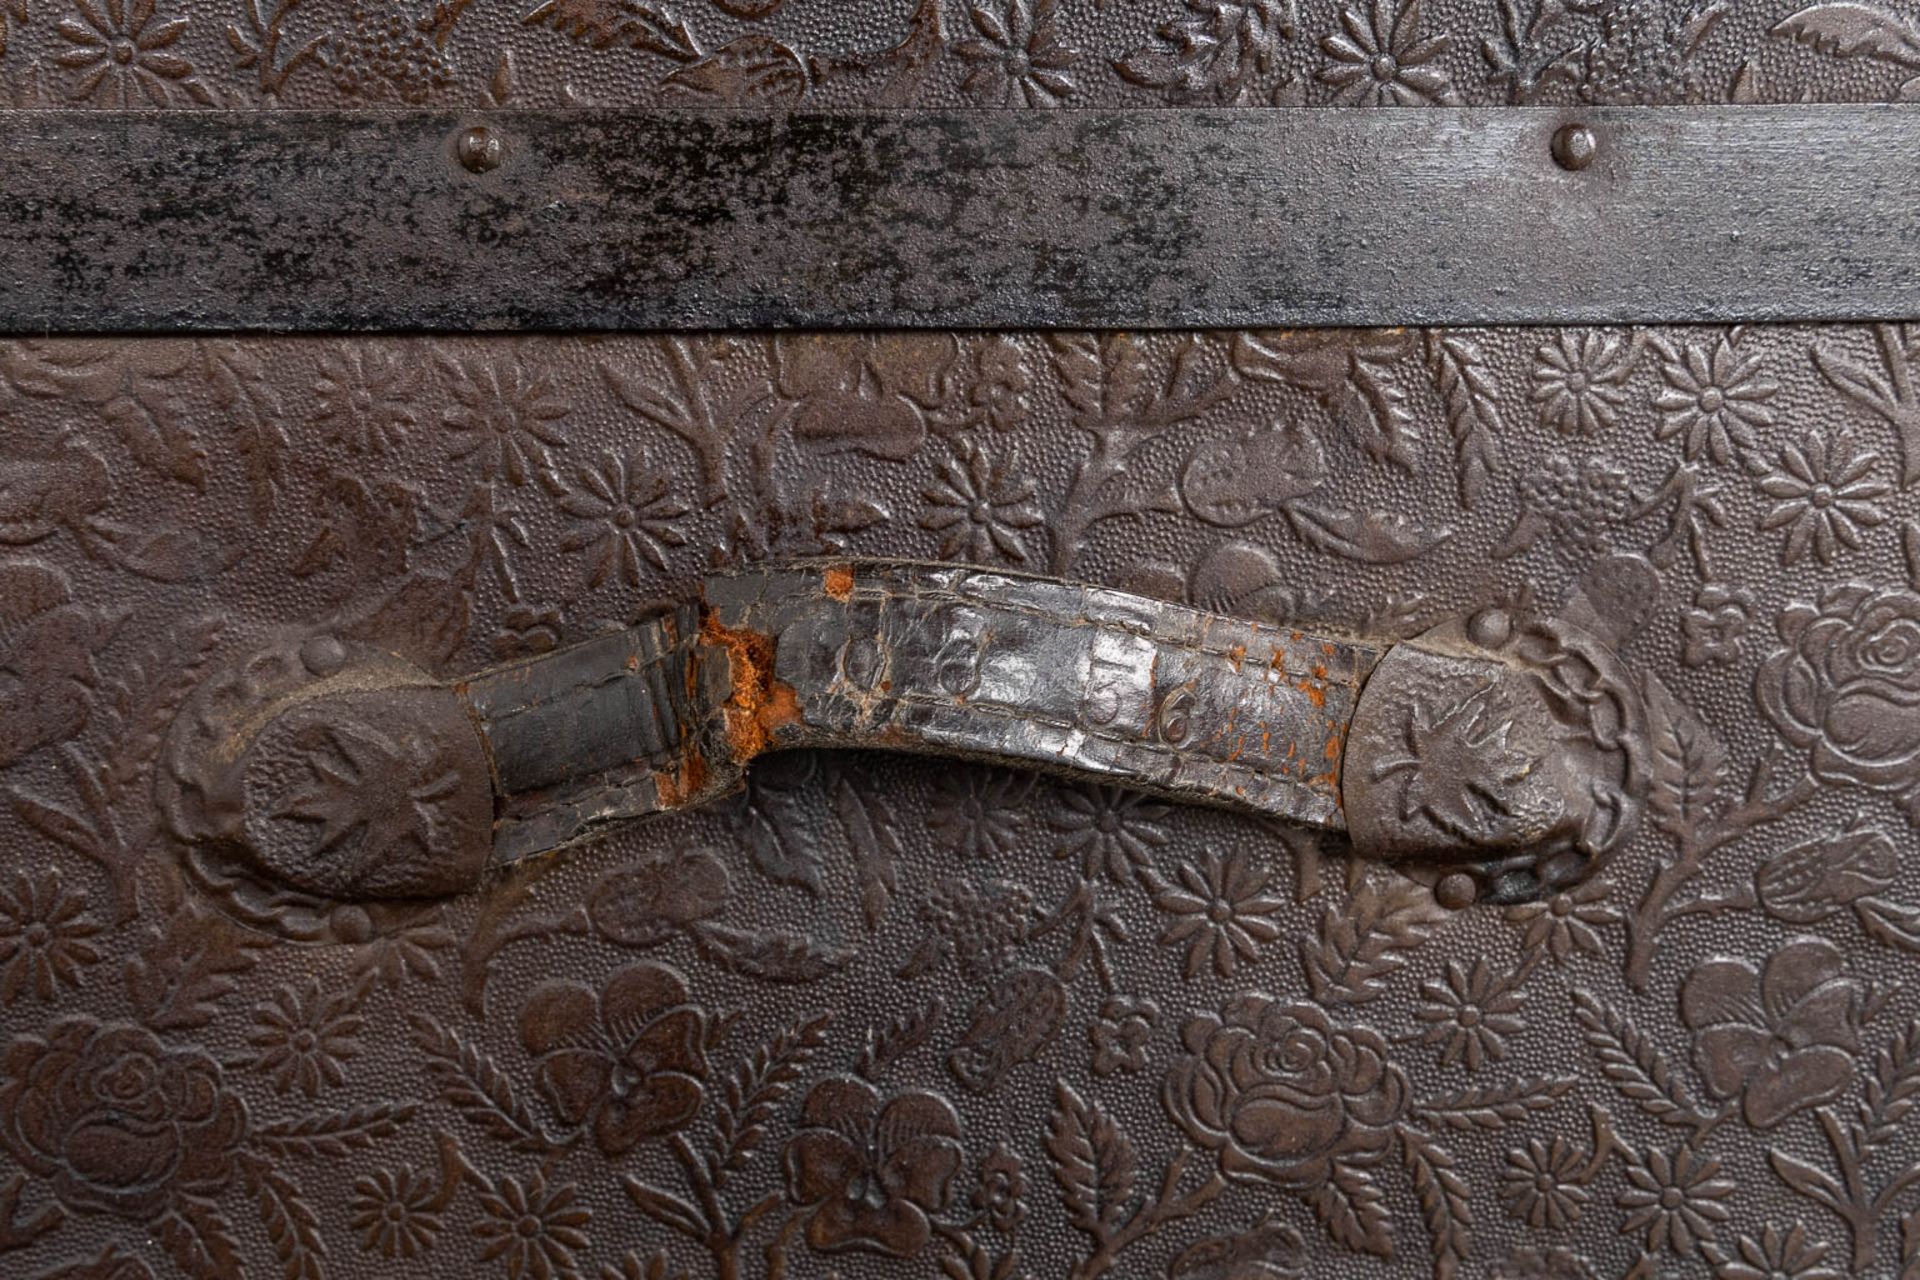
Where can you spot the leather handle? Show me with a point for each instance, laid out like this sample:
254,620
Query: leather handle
345,771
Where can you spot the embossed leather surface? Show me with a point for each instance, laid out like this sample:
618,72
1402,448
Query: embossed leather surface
889,1017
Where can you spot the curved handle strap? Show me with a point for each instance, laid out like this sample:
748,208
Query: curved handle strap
346,771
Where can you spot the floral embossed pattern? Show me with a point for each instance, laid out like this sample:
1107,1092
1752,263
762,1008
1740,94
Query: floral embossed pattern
1020,54
883,1017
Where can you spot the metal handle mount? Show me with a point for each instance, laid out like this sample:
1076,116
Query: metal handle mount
1502,746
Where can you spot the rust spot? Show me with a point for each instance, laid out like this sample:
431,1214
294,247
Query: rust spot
1237,655
1316,693
839,581
684,783
757,704
633,662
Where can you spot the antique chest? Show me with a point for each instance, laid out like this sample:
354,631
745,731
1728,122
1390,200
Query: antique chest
1209,639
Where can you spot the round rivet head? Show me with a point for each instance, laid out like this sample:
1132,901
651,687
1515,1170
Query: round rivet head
1574,147
480,149
1456,892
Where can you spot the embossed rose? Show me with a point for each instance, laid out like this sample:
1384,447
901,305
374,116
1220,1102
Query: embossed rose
1847,685
1282,1093
1780,1039
1811,881
116,1121
871,1170
628,1062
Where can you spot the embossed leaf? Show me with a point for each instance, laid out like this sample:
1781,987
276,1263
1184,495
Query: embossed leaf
1855,30
900,1036
1100,375
1093,1161
875,835
1816,1184
756,1089
1689,764
1371,537
1895,923
1635,1065
1473,415
292,1224
199,1240
334,1134
1442,1194
602,24
1211,51
1364,941
773,955
666,1208
187,967
474,1085
1494,1106
1269,1250
751,71
1353,1209
783,856
1230,483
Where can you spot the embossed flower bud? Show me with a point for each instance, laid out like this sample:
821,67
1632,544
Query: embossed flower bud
1813,880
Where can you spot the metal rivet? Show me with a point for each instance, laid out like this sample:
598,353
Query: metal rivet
1574,147
323,655
480,150
1456,891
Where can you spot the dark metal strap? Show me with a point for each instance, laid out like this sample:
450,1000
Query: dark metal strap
1498,743
1163,218
924,658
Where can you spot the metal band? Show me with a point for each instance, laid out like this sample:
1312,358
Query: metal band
606,219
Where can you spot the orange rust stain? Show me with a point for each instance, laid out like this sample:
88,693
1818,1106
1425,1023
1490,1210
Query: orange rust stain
1316,694
839,581
683,784
633,662
758,704
1236,655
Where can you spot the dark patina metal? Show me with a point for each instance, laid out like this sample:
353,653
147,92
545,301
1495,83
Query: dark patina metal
606,219
723,804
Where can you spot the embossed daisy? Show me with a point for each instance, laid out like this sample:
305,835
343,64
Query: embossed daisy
1109,829
365,397
1381,59
1221,912
1577,381
1469,1013
1541,1183
505,418
536,1232
1714,400
396,1214
977,812
44,938
1778,1256
1674,1197
624,513
1017,58
128,54
1825,493
302,1039
980,507
1567,921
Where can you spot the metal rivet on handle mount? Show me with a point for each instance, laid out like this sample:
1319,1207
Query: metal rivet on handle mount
1574,147
480,150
